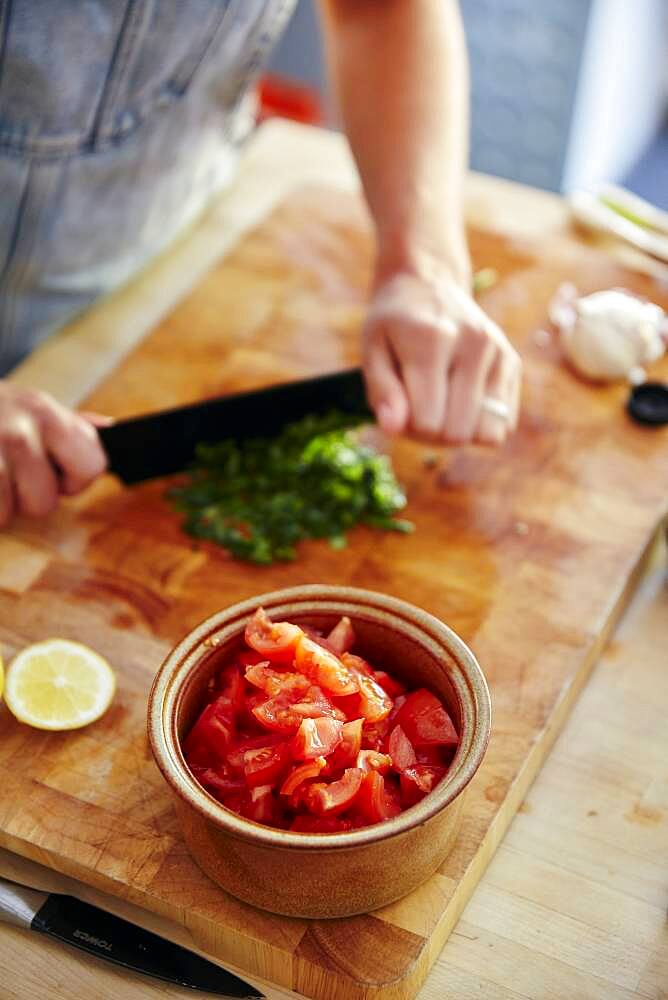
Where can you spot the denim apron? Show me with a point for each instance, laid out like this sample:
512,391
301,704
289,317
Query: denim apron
119,119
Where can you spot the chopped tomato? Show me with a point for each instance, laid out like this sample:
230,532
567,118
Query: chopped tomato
231,688
272,681
374,735
342,636
374,704
357,664
252,700
324,668
277,714
315,703
266,765
372,760
389,685
399,701
298,775
235,757
249,657
320,824
220,784
316,738
214,729
363,750
275,640
418,781
261,805
234,801
425,721
345,755
433,754
401,750
329,799
198,755
373,801
393,793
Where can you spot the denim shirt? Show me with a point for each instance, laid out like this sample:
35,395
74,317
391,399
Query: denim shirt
119,119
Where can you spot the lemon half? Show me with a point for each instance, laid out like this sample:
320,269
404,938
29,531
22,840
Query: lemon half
58,684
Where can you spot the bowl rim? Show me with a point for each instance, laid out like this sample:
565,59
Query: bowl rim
175,669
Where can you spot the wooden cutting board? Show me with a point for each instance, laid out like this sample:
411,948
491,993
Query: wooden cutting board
529,552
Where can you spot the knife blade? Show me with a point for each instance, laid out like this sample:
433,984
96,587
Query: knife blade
116,940
163,443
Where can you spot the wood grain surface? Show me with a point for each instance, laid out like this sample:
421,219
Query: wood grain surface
529,552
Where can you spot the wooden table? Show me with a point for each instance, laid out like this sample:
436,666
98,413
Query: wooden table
574,902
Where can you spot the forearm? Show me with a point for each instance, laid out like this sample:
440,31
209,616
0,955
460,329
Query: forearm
399,70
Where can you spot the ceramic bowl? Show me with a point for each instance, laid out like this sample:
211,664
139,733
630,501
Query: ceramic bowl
323,875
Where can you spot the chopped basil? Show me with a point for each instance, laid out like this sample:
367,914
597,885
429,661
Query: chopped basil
316,479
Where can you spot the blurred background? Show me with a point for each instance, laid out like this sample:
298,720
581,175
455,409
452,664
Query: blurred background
565,93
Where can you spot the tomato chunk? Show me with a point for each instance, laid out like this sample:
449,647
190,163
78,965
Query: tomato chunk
249,657
214,728
231,691
418,781
425,721
275,640
329,799
298,775
261,806
314,703
316,738
277,714
345,755
342,636
401,750
390,686
373,801
372,760
219,784
374,735
357,663
374,704
266,765
235,756
433,754
324,668
273,682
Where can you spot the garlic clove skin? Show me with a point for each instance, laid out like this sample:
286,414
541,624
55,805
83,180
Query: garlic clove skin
612,332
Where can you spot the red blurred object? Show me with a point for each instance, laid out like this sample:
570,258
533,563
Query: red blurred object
283,98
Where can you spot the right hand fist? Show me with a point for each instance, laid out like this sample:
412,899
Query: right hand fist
46,450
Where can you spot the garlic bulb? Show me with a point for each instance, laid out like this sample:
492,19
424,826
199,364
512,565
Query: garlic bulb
608,334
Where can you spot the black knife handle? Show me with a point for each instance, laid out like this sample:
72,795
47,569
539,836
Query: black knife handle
116,940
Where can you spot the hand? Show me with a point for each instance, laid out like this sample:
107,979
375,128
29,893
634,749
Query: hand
431,355
45,450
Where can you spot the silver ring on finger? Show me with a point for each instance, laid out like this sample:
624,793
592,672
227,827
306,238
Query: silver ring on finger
496,407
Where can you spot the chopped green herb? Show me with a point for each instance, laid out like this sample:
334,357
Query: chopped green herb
316,479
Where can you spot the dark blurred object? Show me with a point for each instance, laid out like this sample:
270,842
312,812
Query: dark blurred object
648,404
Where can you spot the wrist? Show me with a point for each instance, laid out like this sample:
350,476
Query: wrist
432,260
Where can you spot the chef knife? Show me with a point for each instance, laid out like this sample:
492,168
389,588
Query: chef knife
115,940
163,443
